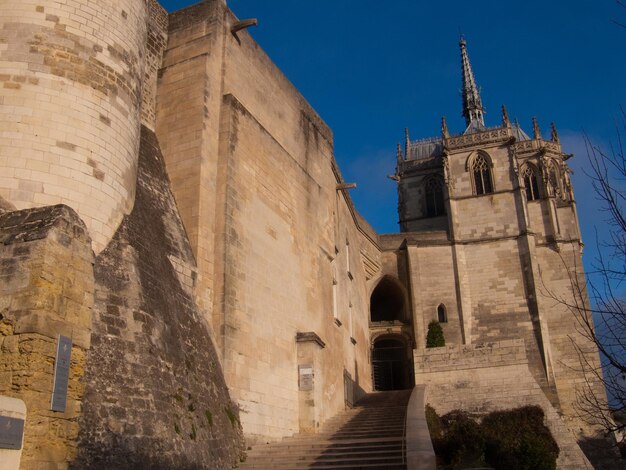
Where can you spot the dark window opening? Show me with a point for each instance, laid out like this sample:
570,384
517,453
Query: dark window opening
482,176
387,302
433,192
442,317
391,365
530,183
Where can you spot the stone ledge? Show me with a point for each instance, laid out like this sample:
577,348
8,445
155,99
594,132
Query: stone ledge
36,223
420,454
450,358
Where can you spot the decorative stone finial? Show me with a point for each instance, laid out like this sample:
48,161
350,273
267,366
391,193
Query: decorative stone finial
505,117
473,110
407,142
444,128
555,134
536,130
399,157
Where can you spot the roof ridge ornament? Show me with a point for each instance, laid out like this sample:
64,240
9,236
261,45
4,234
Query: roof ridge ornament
407,142
555,134
473,110
506,122
536,130
444,128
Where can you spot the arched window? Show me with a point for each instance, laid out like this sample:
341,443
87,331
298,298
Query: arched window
554,186
530,183
480,168
433,192
442,316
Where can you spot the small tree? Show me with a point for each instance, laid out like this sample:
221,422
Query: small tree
434,337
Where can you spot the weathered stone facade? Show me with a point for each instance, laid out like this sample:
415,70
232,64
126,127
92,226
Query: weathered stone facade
233,291
46,289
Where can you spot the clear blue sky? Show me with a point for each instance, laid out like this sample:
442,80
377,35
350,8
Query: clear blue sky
372,68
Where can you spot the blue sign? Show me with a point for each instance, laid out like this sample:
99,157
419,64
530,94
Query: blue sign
61,373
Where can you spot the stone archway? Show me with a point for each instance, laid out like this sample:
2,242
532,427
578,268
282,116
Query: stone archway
387,302
392,363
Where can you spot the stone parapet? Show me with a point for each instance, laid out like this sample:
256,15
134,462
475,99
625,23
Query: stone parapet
460,357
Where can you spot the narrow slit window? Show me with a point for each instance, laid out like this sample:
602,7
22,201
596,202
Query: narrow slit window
433,192
442,316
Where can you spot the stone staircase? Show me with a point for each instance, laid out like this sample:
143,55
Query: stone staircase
369,436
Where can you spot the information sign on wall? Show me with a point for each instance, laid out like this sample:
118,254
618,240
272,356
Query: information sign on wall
61,373
305,377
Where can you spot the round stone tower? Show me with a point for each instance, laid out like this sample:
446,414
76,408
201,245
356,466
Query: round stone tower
70,92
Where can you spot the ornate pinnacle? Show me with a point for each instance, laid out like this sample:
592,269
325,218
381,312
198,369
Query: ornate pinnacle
536,130
505,117
399,154
407,142
472,104
555,134
444,128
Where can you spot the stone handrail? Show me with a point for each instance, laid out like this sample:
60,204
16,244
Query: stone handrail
419,448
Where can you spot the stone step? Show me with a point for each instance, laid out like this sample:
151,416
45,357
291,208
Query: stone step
357,452
369,436
369,466
330,441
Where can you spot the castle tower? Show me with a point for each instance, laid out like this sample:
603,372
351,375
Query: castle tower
70,92
490,215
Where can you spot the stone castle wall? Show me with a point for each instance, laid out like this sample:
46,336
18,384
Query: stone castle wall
46,289
71,79
252,171
155,395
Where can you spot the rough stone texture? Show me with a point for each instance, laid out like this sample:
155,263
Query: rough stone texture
70,88
46,289
155,394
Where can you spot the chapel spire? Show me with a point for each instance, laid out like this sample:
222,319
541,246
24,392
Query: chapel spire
472,105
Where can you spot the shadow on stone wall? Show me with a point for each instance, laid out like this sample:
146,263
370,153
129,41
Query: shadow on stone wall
602,453
155,394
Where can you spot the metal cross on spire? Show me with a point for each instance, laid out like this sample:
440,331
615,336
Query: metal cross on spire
472,105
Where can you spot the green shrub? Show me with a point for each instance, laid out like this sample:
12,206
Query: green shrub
463,445
434,337
512,440
518,439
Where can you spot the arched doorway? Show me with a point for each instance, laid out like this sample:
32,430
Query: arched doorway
392,364
387,302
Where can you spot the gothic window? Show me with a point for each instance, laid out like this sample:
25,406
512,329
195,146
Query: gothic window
530,183
480,168
554,186
433,192
442,316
